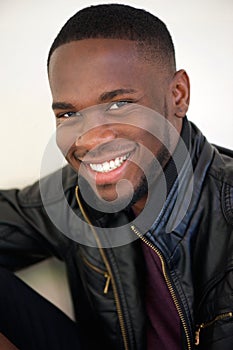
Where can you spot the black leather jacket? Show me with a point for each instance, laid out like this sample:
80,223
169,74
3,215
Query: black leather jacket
107,284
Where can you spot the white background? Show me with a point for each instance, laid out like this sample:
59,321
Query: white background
202,32
203,36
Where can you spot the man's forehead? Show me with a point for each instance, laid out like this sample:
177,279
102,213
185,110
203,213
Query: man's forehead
82,72
97,47
100,58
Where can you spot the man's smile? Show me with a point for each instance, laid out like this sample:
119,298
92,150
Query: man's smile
108,166
107,171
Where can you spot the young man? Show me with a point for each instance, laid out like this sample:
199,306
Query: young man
143,214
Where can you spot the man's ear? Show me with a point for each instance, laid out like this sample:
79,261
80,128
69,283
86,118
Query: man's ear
180,93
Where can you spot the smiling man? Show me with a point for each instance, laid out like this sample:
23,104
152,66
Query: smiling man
142,215
120,73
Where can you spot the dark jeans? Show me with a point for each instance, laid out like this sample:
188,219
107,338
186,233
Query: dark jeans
31,322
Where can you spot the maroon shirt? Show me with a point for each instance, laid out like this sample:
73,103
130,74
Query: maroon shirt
163,328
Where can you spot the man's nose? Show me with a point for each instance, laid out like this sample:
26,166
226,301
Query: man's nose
94,137
94,131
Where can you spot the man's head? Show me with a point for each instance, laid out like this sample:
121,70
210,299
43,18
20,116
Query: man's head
111,71
114,21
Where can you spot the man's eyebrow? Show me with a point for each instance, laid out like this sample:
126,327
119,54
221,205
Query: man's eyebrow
62,105
106,96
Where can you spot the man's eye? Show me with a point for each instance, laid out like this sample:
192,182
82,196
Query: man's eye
68,115
117,105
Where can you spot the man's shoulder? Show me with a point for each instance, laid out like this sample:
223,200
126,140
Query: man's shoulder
222,166
49,189
222,171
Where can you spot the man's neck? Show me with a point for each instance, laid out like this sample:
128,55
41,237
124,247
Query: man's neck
139,206
170,173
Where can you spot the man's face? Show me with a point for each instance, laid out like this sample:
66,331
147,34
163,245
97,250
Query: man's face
106,98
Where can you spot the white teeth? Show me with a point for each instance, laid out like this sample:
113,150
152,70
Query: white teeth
111,165
106,166
99,167
117,161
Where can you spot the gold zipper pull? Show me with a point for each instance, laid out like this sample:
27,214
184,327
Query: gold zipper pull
108,279
197,334
210,323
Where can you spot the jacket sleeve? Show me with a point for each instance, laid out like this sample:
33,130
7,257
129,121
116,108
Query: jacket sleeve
27,235
21,244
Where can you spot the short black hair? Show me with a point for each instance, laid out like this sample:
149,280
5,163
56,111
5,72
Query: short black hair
116,21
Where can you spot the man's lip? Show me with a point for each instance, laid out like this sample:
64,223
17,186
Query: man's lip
110,177
105,157
107,178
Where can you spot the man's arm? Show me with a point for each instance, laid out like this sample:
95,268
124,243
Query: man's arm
21,243
27,234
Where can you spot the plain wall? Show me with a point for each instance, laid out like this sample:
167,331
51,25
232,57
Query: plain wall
202,32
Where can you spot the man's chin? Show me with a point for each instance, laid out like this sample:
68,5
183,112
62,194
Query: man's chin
115,198
112,198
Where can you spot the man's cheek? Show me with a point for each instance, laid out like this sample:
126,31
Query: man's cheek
65,140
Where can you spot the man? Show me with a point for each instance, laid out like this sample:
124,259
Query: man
143,214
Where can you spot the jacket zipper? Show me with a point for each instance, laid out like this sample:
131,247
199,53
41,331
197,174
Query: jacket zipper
109,271
168,282
207,324
102,272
